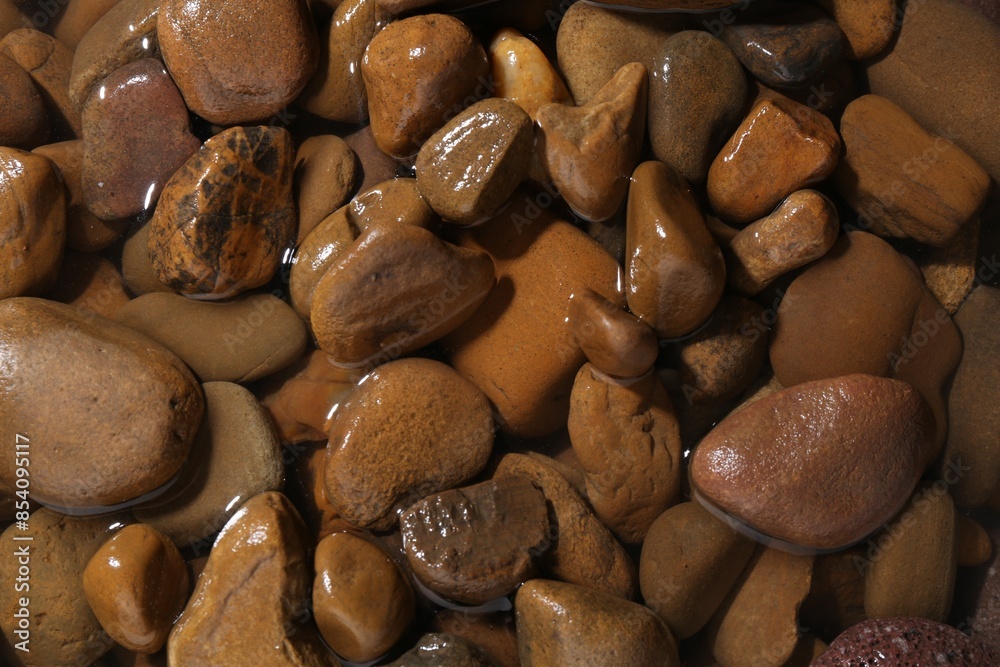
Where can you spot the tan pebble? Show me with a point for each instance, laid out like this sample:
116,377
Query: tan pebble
393,202
374,165
590,151
33,208
868,27
24,121
240,340
137,266
586,552
78,18
690,561
564,624
492,632
248,604
626,436
614,340
332,238
90,282
902,180
800,230
234,456
912,572
411,96
781,146
48,62
363,603
325,173
238,64
950,272
747,633
522,73
451,444
814,433
972,543
137,584
669,246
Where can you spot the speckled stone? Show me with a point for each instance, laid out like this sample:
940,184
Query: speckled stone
905,642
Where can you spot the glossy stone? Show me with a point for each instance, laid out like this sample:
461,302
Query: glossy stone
301,397
443,650
77,18
332,238
375,166
493,632
614,340
325,174
523,74
905,641
395,201
48,62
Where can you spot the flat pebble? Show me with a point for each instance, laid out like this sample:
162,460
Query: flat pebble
319,251
396,201
77,18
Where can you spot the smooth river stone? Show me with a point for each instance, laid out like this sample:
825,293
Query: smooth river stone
590,151
136,584
396,201
252,596
786,466
325,173
868,27
235,456
240,340
523,74
24,121
123,421
33,236
136,135
395,290
673,5
48,62
137,265
362,601
420,72
238,63
375,165
902,180
226,218
940,70
614,340
690,561
472,165
517,347
571,626
594,42
414,427
781,146
676,273
626,435
477,543
337,90
697,96
443,650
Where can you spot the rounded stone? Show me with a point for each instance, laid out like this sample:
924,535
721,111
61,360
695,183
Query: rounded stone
906,642
48,61
614,340
868,27
24,121
325,173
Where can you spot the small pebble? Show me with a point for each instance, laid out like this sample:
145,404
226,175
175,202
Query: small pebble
868,27
332,238
443,650
325,174
48,62
973,546
523,74
24,121
615,341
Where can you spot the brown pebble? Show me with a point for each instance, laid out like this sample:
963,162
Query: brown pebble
781,146
316,254
444,440
615,341
868,27
238,63
48,62
492,632
523,74
950,272
325,173
24,121
90,282
137,584
137,266
836,599
443,650
362,601
11,17
973,546
375,166
393,202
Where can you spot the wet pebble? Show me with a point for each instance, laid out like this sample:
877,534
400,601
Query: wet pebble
48,62
24,121
523,74
325,174
615,341
443,650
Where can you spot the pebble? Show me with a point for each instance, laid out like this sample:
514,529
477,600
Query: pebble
669,245
396,201
565,624
950,272
590,151
234,457
690,561
78,18
724,357
330,240
124,418
24,121
48,62
585,553
307,488
137,265
905,642
240,63
226,218
904,181
374,165
84,230
517,347
472,165
250,600
124,33
697,98
522,73
11,17
919,74
593,43
814,433
445,439
747,631
325,174
136,135
785,47
33,208
420,72
368,307
836,600
615,341
801,229
363,603
63,630
913,570
136,584
868,27
973,546
974,425
443,650
240,340
626,436
91,282
337,90
493,632
477,543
